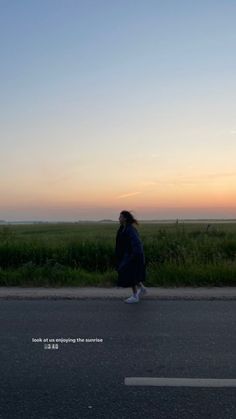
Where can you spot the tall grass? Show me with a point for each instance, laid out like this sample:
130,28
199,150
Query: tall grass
80,254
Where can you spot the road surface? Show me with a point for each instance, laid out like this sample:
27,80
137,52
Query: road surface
78,379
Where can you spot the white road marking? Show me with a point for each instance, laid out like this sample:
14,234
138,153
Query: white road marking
180,382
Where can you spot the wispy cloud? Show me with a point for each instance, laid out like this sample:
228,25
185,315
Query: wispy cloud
233,132
198,178
127,195
219,175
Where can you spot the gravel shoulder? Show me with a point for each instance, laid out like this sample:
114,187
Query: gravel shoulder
154,293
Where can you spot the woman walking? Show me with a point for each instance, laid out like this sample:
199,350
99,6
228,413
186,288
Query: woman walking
130,257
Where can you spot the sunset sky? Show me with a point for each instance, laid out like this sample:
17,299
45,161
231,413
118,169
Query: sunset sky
108,105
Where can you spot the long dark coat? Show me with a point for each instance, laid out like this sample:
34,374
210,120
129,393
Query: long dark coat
130,259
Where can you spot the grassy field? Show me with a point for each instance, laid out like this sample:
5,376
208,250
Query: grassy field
83,254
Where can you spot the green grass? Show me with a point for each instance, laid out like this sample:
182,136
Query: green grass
83,254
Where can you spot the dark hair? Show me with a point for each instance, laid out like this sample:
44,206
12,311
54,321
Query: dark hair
129,217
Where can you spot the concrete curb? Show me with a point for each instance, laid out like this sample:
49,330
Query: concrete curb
77,293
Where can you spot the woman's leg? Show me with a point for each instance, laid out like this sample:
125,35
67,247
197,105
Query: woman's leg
134,298
135,289
142,289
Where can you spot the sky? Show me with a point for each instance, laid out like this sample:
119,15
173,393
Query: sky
109,105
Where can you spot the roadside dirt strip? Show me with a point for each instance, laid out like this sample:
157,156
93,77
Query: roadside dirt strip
187,293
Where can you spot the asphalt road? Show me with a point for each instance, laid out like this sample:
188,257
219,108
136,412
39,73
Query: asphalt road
172,339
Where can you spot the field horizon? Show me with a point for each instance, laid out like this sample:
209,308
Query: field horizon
108,221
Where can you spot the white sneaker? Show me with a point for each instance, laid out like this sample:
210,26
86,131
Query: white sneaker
132,299
142,291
